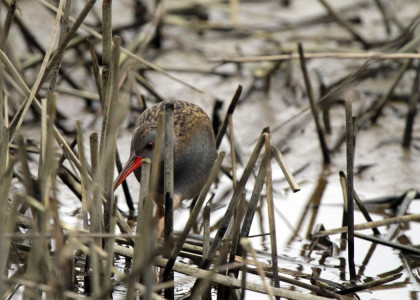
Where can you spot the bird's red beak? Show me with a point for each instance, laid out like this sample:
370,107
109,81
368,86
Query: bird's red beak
133,163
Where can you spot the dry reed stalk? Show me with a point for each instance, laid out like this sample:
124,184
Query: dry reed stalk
193,215
95,207
369,225
270,209
169,189
229,112
148,229
386,242
402,210
234,201
130,54
232,152
253,201
7,223
247,245
111,123
39,269
7,23
349,187
320,55
66,38
38,80
142,241
375,111
314,108
412,111
294,186
343,180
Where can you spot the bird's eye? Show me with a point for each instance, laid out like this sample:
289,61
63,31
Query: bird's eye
149,146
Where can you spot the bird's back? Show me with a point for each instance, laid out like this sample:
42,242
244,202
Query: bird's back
195,145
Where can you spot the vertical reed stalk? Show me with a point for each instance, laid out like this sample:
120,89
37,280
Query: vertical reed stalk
142,241
95,207
9,19
7,221
234,201
229,112
84,175
232,151
111,123
193,215
270,208
314,108
349,191
169,189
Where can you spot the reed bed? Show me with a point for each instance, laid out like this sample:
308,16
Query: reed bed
42,256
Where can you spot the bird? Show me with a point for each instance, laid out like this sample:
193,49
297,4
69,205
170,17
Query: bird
194,151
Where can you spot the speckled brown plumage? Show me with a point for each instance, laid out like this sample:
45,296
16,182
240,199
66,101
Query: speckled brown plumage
187,118
194,147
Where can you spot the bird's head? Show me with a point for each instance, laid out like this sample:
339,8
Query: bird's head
142,146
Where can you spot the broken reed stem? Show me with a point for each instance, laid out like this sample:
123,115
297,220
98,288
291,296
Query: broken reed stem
368,225
253,201
343,180
229,112
169,190
314,108
349,190
193,215
375,112
294,186
402,209
270,209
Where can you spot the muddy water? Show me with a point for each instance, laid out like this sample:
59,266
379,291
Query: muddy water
392,170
